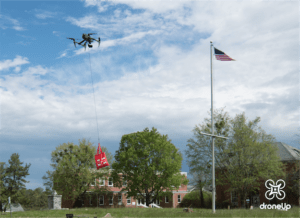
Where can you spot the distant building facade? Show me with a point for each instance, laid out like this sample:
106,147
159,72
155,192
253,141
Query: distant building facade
115,198
290,156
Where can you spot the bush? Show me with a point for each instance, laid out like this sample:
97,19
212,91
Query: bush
193,199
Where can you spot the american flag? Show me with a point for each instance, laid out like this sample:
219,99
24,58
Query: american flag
221,56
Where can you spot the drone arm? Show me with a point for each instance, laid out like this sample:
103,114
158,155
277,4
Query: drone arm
80,42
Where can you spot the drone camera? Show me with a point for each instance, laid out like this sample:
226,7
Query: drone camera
90,46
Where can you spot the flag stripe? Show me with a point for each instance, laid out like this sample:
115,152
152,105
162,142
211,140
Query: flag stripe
221,56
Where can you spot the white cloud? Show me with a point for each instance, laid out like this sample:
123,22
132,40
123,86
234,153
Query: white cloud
64,54
56,33
110,43
17,69
124,23
117,13
153,6
19,60
38,70
175,91
101,5
87,22
42,14
8,22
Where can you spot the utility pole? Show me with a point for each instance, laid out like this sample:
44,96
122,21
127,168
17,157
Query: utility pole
9,205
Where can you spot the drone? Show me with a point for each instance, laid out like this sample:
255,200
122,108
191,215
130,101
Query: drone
86,39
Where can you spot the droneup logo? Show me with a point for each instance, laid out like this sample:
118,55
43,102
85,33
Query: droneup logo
280,195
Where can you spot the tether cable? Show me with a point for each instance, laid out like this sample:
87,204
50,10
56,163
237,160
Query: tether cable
94,98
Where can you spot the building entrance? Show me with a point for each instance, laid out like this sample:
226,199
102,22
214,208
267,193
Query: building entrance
255,201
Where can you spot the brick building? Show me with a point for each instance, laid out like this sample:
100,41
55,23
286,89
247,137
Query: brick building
115,198
290,156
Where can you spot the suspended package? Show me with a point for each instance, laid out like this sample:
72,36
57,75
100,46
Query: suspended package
100,158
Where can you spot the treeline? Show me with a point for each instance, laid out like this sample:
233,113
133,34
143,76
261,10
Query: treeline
34,199
12,184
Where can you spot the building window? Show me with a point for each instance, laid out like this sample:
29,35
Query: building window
140,201
102,181
91,200
93,183
157,202
120,199
124,181
110,200
110,181
179,198
234,198
101,200
166,199
129,200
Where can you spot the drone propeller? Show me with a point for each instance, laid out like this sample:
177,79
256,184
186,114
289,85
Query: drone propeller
99,40
73,41
91,34
84,45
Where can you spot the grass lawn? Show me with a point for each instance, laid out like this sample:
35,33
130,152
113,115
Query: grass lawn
155,212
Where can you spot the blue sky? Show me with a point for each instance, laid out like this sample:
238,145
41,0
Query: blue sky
151,70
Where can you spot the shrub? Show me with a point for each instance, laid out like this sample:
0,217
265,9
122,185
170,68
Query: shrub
193,199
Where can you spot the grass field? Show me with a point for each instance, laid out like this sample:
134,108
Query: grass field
155,212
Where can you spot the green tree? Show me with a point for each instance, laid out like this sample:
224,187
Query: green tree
25,199
150,164
3,179
14,180
199,150
75,170
293,177
248,156
253,156
199,180
34,199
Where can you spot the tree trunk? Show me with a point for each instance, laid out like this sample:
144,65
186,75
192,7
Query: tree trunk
201,198
147,200
242,199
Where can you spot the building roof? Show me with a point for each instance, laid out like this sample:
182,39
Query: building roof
287,152
15,207
190,188
193,188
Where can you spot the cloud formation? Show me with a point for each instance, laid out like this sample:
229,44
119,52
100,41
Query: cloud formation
42,14
8,22
19,60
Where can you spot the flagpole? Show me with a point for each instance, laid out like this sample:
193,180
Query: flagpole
212,132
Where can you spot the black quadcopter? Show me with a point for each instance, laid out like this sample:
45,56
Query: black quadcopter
86,39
